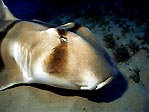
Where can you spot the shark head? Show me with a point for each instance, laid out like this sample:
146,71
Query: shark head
77,62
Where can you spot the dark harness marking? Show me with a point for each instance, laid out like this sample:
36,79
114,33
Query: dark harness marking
3,33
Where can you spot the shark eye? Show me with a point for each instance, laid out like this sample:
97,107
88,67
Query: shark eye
63,39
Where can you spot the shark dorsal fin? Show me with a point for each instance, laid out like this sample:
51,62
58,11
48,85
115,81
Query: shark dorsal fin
5,13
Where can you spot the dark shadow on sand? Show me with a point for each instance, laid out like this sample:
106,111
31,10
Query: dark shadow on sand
108,93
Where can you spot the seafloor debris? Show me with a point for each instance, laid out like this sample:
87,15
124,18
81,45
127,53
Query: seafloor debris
109,41
121,54
133,47
146,38
146,48
125,30
135,76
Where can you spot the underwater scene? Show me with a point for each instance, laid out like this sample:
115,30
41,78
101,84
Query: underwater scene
120,26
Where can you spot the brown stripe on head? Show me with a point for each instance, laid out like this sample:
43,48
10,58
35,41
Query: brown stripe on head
4,31
58,59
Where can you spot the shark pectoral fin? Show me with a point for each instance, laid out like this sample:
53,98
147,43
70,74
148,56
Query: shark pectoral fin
9,78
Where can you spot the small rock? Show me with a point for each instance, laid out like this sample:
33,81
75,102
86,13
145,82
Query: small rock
135,75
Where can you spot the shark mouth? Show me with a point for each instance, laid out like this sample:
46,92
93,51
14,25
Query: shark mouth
97,86
100,85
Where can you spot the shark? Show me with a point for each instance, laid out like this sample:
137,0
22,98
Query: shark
66,56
